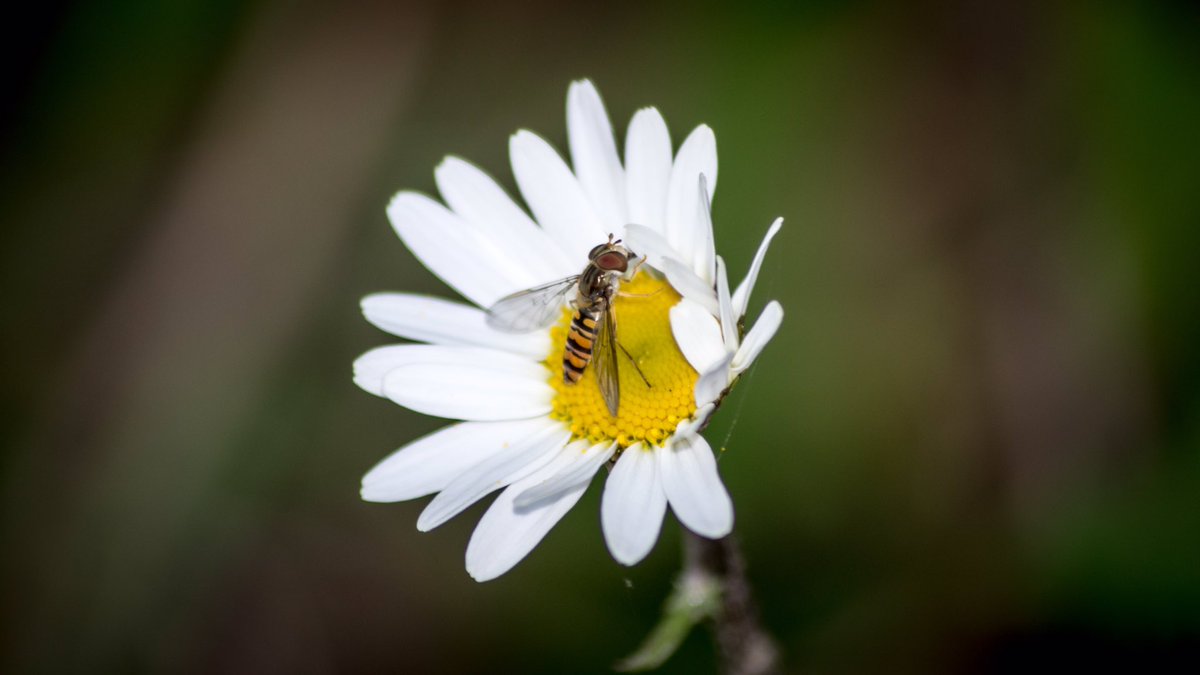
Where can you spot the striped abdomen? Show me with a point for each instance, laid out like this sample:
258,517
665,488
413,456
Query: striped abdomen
581,340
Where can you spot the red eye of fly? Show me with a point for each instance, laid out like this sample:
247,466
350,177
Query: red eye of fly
612,262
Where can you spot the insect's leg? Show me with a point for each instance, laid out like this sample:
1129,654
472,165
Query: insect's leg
636,266
635,364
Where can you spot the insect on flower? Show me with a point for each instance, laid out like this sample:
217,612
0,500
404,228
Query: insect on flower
593,332
542,385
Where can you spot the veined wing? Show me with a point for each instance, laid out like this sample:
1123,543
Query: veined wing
604,359
531,309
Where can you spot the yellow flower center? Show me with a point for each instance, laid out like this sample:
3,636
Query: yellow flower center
648,412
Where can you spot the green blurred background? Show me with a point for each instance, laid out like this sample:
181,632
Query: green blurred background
973,447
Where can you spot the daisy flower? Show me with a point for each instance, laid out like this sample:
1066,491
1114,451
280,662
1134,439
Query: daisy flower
520,427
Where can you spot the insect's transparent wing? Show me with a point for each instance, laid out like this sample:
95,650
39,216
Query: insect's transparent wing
531,309
605,360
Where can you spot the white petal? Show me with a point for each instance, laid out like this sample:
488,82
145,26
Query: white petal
577,464
632,508
690,286
693,487
648,242
741,297
758,337
594,154
509,530
444,322
473,194
555,196
428,464
509,464
684,223
713,381
698,334
647,168
372,367
705,253
455,251
725,307
468,383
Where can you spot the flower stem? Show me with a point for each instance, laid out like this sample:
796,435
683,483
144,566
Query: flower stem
743,644
711,586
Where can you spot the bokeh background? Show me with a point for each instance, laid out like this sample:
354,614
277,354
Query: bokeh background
973,447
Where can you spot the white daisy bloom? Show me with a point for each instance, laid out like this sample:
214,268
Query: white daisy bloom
521,427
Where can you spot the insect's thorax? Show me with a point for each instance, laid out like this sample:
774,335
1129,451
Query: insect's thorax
595,287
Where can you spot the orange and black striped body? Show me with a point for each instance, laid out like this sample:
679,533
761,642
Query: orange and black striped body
581,341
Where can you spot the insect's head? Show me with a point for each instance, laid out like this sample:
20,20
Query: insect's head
611,256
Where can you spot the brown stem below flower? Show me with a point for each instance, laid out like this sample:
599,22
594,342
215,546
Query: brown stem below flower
744,646
712,586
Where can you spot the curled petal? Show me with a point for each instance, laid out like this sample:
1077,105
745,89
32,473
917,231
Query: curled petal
741,297
758,337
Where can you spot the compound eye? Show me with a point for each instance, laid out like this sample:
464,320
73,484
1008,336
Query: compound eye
612,262
596,251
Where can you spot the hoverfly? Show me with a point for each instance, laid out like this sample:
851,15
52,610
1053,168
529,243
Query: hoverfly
593,332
